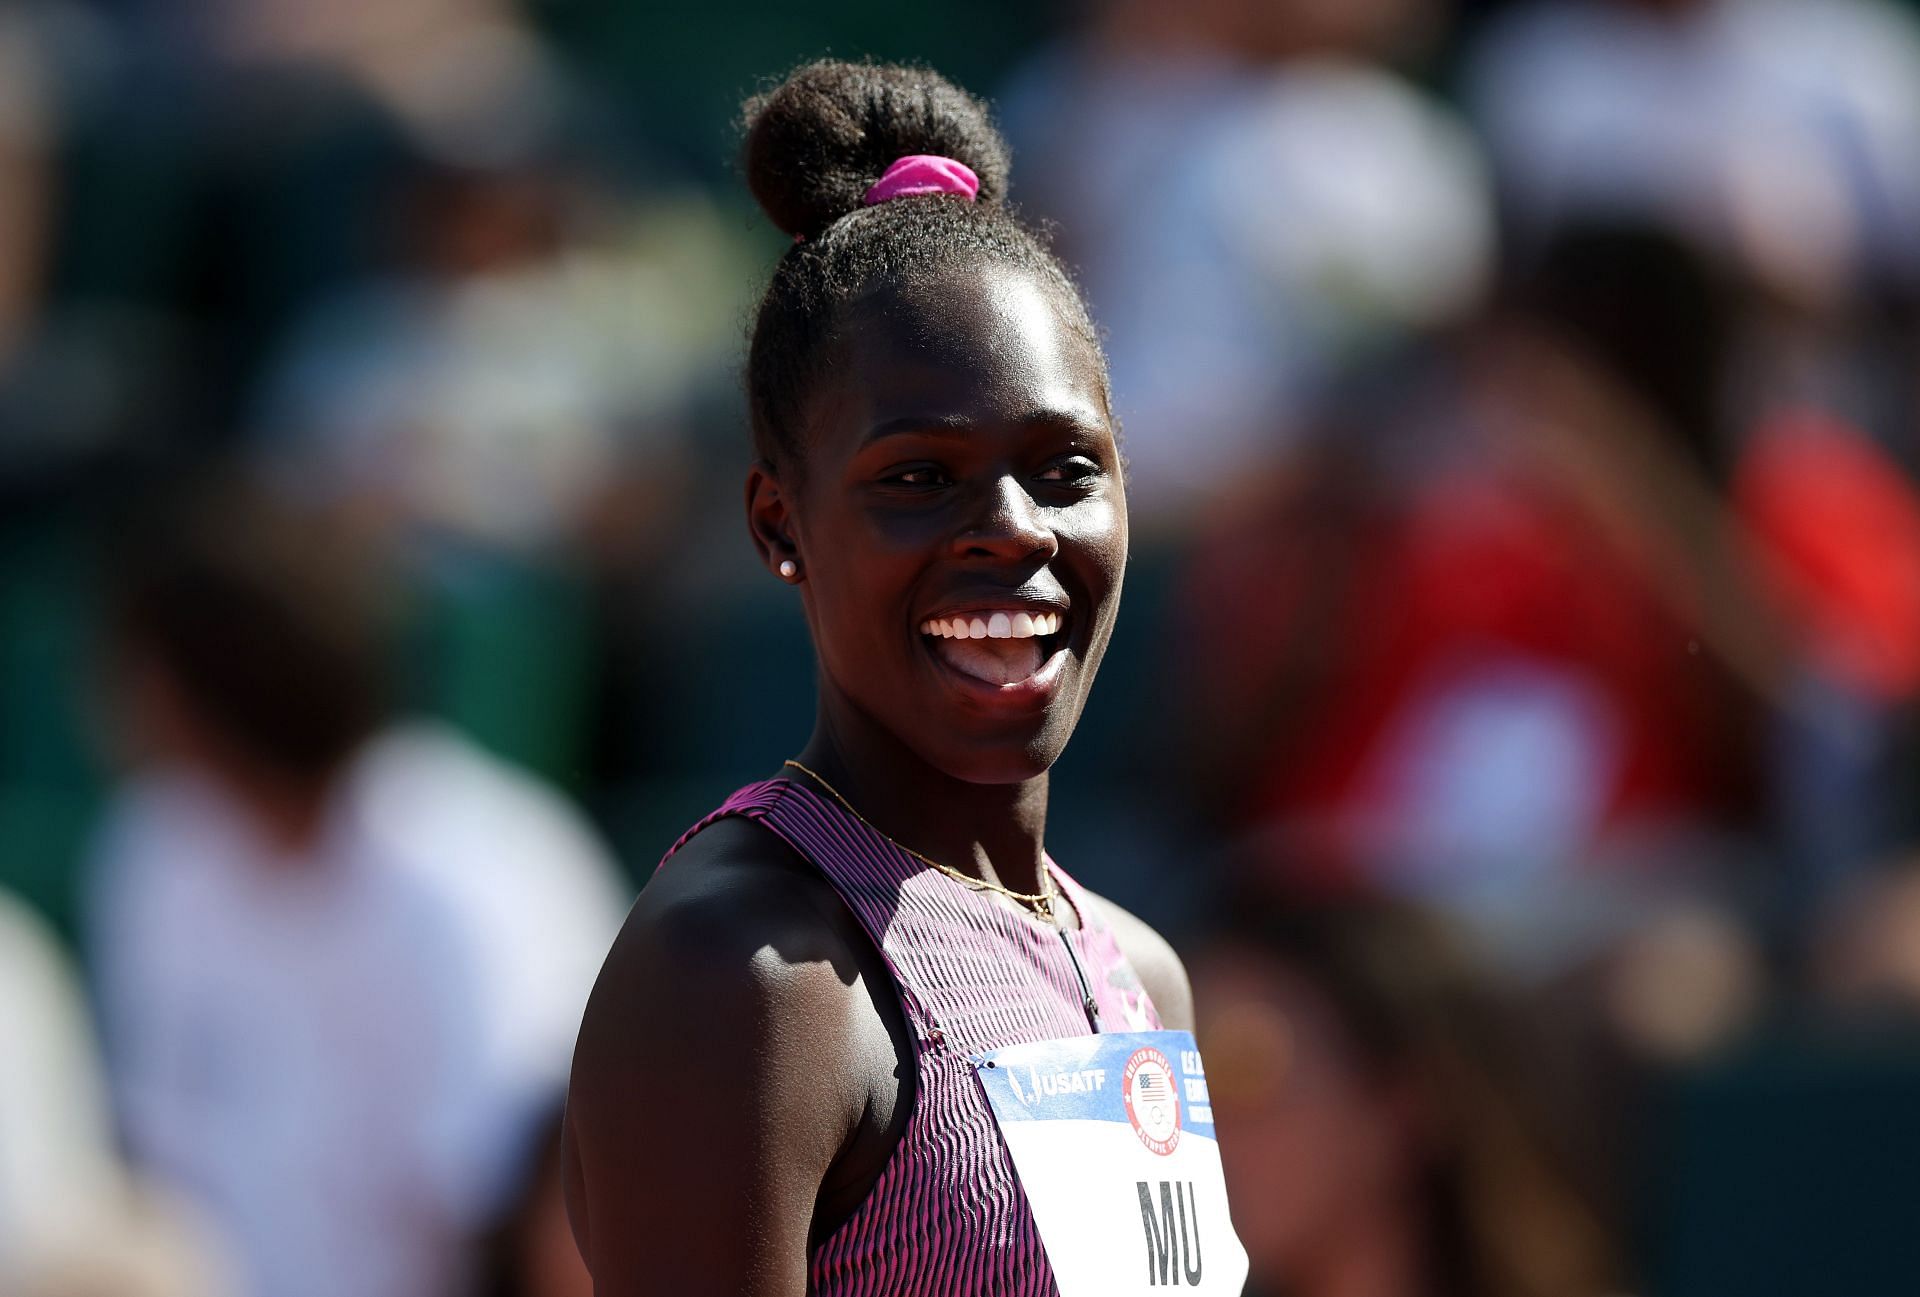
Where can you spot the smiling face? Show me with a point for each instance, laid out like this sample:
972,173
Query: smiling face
961,521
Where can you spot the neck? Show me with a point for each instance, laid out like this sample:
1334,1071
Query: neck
994,831
292,815
290,811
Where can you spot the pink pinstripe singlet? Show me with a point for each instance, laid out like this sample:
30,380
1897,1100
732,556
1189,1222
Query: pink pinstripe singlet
947,1215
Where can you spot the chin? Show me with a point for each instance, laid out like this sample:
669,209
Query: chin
999,759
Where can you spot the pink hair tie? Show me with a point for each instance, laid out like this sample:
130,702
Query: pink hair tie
920,174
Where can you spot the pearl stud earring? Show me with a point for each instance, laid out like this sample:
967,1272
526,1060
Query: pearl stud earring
789,569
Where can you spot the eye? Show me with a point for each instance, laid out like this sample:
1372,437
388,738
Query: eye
1074,469
918,475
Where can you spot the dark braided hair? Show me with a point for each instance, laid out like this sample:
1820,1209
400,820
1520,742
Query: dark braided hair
814,146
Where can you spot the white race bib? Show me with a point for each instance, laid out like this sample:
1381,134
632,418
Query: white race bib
1113,1140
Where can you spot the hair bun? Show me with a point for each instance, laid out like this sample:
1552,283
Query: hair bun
820,139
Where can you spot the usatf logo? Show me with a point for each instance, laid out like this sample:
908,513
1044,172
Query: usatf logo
1153,1107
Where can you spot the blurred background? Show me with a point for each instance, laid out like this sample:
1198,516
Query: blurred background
1512,719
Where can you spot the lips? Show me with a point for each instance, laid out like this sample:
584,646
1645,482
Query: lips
1011,648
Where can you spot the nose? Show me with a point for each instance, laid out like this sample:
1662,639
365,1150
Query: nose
1009,526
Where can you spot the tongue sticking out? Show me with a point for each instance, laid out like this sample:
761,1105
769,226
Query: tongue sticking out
997,661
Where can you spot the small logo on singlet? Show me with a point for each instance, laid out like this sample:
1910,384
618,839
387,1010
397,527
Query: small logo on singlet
1153,1107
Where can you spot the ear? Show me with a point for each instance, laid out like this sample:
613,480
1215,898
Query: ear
769,518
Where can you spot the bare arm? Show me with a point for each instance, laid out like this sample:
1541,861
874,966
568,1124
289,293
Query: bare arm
715,1082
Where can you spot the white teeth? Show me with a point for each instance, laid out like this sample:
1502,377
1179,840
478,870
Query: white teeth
999,625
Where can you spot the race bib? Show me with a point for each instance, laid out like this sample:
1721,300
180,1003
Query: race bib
1113,1140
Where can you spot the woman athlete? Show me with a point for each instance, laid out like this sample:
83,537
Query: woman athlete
782,1082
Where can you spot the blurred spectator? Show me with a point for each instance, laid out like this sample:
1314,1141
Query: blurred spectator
468,78
521,381
71,1223
515,399
1782,136
1503,633
55,1134
1382,1121
1784,133
232,165
1836,523
341,958
1251,202
514,365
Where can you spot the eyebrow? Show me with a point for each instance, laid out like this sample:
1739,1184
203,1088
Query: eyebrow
958,425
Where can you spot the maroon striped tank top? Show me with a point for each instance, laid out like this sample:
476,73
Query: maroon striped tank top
946,1215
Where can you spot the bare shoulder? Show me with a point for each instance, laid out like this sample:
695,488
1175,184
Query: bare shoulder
1155,960
727,942
734,919
738,880
735,979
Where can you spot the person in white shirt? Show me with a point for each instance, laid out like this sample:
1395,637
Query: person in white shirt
55,1146
71,1220
341,958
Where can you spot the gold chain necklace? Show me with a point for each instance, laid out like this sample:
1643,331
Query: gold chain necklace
1040,903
